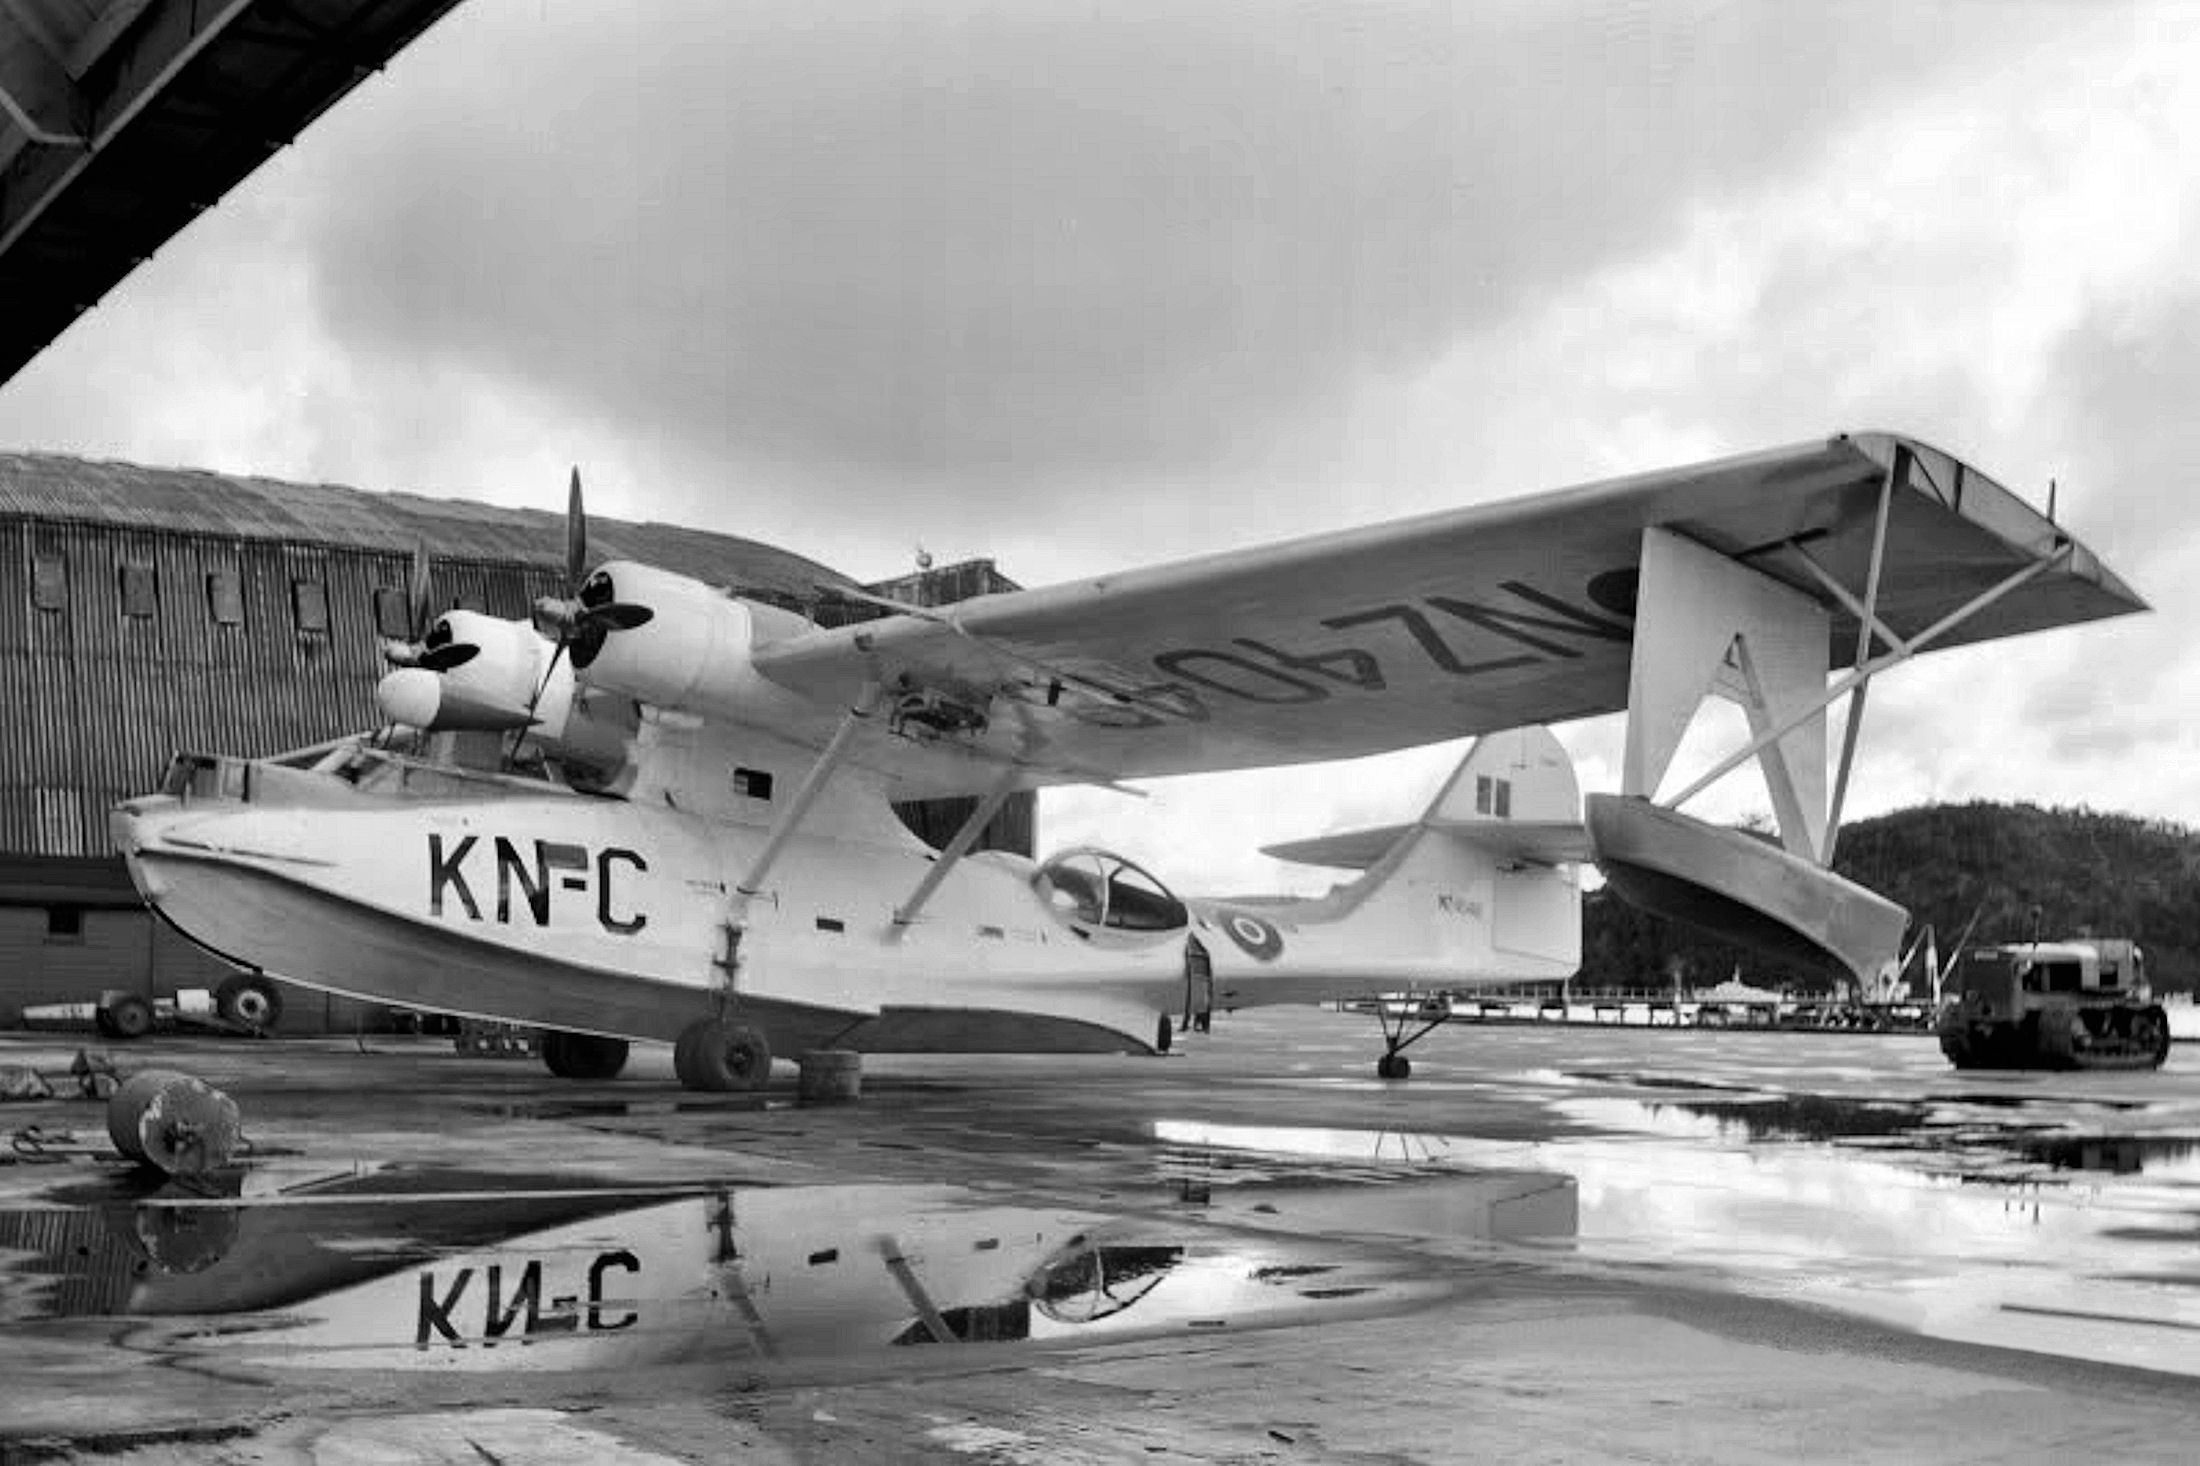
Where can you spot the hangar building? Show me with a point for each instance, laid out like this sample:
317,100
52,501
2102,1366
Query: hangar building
144,611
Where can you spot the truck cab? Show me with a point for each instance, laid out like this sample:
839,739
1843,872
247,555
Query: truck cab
2081,1003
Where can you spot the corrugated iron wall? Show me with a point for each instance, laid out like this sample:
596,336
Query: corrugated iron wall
98,698
121,644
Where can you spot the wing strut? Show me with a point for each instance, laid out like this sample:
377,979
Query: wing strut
956,849
1706,624
813,784
1901,652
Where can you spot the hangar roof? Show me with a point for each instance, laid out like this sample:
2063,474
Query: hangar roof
52,487
121,121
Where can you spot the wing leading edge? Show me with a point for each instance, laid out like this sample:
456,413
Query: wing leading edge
1434,627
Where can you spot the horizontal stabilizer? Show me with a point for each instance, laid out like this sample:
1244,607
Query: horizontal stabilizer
1534,842
1512,795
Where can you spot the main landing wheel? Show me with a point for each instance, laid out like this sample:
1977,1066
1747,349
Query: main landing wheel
1393,1066
583,1055
722,1058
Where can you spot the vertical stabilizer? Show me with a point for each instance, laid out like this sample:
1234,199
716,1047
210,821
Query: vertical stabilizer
1522,775
1485,883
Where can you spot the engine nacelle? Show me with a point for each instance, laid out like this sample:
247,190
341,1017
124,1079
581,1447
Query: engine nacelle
492,688
692,654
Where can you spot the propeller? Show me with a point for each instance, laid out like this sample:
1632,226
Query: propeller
590,609
428,645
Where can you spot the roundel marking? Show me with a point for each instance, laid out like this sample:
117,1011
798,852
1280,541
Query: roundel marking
1260,941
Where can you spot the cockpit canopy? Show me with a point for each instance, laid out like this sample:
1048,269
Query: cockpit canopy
1099,888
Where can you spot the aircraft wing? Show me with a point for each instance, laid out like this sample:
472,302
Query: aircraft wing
1456,623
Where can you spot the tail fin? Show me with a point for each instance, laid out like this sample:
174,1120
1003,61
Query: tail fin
1501,842
1522,775
1514,793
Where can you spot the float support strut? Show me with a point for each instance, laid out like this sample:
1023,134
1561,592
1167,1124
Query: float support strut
957,848
1898,471
1863,674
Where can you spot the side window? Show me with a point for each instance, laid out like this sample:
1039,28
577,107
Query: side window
225,598
139,596
309,603
1493,796
49,582
392,615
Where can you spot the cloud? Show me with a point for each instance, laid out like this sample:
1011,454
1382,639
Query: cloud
949,253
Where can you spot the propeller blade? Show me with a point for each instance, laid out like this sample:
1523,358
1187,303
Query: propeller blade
576,536
451,654
549,671
416,591
587,641
618,616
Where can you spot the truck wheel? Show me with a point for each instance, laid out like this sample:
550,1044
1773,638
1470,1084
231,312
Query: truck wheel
2150,1031
129,1017
250,1003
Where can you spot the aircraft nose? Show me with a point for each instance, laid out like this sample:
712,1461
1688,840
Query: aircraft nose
135,825
130,824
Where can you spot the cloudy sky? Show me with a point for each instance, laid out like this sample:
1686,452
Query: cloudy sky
1084,287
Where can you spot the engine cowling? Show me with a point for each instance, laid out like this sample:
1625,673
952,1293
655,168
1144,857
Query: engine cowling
491,689
692,653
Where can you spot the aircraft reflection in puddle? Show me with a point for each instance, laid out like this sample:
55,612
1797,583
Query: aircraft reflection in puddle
2088,1264
415,1272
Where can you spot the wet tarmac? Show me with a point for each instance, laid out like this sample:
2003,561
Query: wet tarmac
1549,1244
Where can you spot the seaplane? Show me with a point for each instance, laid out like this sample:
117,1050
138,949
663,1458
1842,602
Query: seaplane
691,839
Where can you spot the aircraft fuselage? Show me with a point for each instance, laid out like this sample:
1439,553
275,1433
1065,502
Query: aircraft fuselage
504,898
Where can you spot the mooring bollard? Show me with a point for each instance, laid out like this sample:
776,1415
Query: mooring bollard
830,1076
170,1120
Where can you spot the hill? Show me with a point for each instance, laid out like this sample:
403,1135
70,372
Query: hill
2084,871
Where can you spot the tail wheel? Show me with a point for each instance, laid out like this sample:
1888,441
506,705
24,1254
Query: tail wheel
722,1058
249,1002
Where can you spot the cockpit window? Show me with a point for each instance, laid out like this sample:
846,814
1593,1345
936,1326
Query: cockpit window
1100,889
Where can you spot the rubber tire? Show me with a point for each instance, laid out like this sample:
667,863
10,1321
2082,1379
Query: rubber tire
1393,1066
1164,1035
722,1058
250,1002
583,1055
2160,1019
129,1017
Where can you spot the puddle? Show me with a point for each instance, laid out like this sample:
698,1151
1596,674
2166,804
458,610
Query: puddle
621,1109
2160,1157
1805,1116
1647,1081
2053,1256
381,1268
